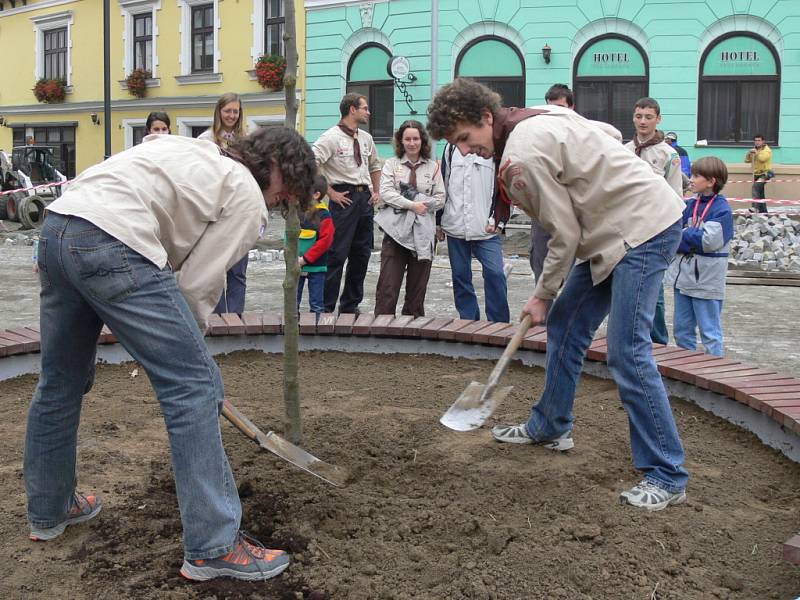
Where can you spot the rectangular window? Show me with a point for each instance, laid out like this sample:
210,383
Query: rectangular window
137,134
143,42
734,111
202,38
380,97
610,101
198,129
55,53
62,142
274,25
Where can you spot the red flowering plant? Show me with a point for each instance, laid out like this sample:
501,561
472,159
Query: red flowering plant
269,71
137,82
50,91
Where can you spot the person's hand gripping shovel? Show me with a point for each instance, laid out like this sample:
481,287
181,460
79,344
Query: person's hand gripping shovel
477,402
287,451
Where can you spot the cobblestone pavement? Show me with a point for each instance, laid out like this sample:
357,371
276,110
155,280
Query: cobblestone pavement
760,322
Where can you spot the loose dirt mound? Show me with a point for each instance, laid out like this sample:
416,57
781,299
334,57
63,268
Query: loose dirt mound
429,513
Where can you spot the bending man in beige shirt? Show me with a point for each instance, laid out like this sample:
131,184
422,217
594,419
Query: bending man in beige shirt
107,253
603,205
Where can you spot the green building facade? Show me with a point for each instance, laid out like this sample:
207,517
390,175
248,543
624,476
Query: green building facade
722,70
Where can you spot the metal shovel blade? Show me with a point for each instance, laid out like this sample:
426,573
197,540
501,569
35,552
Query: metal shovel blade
284,449
300,458
471,409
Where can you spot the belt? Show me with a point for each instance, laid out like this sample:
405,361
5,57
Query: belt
349,187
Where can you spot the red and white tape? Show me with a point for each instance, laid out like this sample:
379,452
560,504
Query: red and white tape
36,187
768,181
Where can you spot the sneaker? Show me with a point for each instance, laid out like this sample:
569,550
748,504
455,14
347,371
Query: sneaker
83,509
249,560
518,434
650,496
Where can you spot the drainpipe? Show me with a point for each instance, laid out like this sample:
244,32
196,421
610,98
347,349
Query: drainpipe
434,46
107,76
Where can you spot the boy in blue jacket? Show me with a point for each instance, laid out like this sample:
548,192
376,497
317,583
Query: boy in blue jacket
698,271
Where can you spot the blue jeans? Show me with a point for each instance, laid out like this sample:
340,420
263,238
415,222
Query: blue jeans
89,278
232,299
490,254
660,334
698,313
316,291
628,297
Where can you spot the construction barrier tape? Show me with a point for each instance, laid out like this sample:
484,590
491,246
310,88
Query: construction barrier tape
36,187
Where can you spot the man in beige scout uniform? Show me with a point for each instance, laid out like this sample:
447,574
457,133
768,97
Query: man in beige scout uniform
107,253
649,145
347,157
606,207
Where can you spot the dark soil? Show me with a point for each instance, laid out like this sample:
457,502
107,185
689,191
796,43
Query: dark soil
428,513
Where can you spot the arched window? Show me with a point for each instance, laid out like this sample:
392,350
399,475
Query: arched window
611,74
367,75
496,64
739,94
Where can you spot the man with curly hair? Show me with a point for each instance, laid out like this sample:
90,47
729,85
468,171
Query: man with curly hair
107,253
603,205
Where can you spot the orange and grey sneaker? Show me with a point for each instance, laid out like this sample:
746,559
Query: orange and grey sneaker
249,560
83,508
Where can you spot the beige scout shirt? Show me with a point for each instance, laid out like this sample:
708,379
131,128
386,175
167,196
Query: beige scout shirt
174,199
594,197
664,161
336,161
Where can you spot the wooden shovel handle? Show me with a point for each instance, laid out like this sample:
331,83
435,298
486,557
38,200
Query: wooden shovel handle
242,423
511,348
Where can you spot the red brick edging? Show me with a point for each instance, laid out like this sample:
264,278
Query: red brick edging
774,394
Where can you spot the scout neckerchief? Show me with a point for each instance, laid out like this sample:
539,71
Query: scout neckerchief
412,179
356,145
695,222
657,138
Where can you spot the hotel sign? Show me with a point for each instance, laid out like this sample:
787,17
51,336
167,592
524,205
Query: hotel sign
611,57
739,55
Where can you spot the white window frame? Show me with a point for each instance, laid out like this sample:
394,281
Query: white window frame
257,121
127,129
185,124
130,9
186,37
257,18
42,24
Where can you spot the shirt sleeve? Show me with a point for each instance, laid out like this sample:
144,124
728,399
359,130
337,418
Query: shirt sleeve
673,173
438,189
322,149
374,160
224,242
324,240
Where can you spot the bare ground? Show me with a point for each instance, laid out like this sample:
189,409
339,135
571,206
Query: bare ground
428,513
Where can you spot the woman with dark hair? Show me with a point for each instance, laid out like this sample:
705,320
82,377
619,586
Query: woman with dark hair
228,121
189,209
226,131
157,123
412,191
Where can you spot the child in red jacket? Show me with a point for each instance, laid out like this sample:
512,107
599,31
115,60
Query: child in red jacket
316,235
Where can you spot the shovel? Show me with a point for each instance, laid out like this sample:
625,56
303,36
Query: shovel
286,450
478,401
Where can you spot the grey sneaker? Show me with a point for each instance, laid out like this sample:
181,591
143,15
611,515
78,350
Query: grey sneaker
249,560
650,496
518,434
83,508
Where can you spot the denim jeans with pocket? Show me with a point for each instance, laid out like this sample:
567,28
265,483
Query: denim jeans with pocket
489,253
628,297
693,314
89,278
316,291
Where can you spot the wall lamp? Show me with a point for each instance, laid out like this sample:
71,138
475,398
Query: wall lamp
95,118
2,121
546,52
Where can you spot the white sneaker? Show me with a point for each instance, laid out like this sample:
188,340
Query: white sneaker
650,496
518,434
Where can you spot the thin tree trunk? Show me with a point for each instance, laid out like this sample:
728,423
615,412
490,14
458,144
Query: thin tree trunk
290,77
291,331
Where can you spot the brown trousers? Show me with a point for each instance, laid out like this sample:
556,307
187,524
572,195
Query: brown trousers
395,262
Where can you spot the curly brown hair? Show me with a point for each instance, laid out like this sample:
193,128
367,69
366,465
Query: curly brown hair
285,148
462,101
425,146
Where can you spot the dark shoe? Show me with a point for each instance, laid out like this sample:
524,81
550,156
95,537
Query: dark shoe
83,509
249,560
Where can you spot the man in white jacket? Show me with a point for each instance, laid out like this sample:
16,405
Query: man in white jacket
469,223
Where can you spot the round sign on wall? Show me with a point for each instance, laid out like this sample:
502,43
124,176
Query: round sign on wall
399,67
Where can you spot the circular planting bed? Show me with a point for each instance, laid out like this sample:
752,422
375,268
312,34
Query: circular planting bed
428,513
